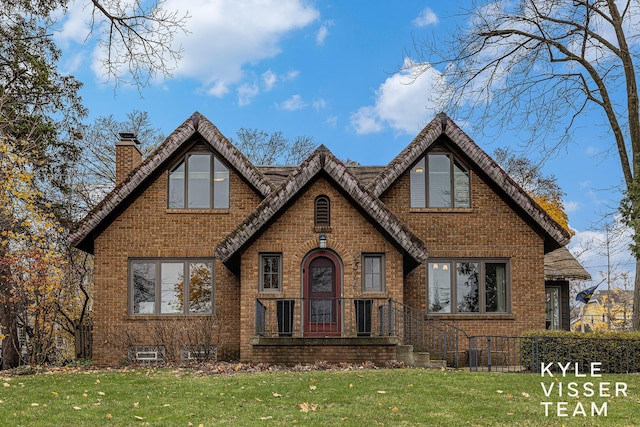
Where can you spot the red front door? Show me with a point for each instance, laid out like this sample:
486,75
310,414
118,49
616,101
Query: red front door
322,291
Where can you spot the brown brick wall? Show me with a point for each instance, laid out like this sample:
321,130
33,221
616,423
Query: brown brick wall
147,228
490,228
292,355
293,234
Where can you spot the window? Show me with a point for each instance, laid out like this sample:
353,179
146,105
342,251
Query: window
373,273
468,286
322,217
552,307
200,181
171,286
438,180
270,272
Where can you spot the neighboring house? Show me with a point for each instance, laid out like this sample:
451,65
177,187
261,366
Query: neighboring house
199,253
607,310
560,267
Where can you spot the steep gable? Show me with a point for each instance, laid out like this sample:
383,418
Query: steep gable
442,125
322,161
197,124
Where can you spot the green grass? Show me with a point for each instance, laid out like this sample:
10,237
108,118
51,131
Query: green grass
182,397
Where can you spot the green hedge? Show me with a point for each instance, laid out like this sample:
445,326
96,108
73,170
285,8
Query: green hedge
618,352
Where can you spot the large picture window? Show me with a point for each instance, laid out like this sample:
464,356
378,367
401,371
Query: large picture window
199,181
438,180
468,286
171,286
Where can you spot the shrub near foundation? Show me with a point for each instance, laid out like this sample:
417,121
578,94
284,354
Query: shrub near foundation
617,352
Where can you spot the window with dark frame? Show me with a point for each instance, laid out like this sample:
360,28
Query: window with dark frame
322,217
373,274
439,180
171,286
468,286
270,272
199,181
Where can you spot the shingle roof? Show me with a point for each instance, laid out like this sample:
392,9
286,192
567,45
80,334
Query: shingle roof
562,265
322,161
443,125
196,124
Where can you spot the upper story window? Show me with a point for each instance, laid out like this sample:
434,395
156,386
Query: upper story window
171,286
322,217
199,181
468,286
439,180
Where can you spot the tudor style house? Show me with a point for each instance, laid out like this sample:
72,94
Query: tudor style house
201,254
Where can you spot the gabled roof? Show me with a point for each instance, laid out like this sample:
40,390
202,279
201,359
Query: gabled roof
443,125
82,237
562,265
321,162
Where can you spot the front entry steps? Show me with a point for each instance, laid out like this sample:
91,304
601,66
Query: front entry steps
420,359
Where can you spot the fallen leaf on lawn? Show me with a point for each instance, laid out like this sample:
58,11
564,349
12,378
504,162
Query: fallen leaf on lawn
258,399
166,405
312,387
84,394
137,417
109,416
136,404
305,407
276,394
381,392
101,393
97,381
509,395
237,367
6,385
525,394
55,393
499,391
394,409
266,418
77,408
35,404
350,385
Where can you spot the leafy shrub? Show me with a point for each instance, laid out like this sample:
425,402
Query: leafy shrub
618,352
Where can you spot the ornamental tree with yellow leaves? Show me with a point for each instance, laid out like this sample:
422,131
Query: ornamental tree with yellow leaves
30,265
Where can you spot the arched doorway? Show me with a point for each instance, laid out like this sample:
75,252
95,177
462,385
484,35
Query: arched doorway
322,285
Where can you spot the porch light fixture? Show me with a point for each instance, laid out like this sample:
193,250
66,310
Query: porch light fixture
322,240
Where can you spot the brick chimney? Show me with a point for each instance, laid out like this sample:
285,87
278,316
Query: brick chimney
128,155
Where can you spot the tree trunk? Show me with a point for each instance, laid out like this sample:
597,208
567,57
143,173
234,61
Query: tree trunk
8,321
636,298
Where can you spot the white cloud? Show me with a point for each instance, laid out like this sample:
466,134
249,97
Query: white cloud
227,34
572,206
590,247
404,102
425,18
224,36
321,35
269,79
292,104
332,121
319,104
246,93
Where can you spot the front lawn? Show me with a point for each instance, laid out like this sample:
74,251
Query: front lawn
185,397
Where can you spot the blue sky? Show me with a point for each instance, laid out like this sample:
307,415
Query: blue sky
329,70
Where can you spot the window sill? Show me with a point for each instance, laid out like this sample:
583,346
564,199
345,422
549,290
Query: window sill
441,210
467,316
198,211
167,316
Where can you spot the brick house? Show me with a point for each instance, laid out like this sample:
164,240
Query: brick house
199,253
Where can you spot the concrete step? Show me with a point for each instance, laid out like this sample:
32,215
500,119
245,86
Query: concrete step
422,359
